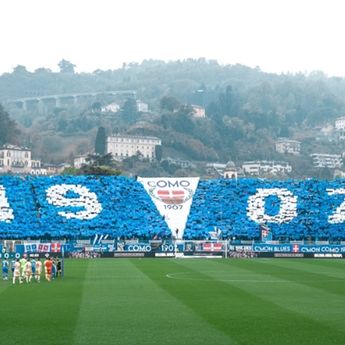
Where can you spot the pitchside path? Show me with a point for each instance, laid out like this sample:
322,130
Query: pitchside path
177,302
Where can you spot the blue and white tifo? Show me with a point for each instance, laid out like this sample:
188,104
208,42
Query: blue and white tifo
83,206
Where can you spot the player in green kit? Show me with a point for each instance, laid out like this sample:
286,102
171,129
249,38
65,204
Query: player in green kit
22,262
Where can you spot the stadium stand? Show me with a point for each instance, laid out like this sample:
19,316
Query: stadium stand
225,204
80,207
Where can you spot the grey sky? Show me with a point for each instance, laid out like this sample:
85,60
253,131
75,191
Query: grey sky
278,36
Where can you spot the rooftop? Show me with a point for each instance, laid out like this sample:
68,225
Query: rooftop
287,140
14,147
129,136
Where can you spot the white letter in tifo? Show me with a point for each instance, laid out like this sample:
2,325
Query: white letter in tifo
339,214
256,206
6,212
56,195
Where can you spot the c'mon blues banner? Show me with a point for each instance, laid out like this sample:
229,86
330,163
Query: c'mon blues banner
173,198
298,248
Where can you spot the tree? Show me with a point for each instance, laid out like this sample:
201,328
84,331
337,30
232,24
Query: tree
96,107
182,121
129,112
98,170
66,66
169,103
42,70
100,160
284,131
8,128
20,69
325,174
101,141
159,152
225,100
168,167
92,170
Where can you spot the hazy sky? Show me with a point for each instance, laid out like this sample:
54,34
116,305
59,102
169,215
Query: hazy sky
278,36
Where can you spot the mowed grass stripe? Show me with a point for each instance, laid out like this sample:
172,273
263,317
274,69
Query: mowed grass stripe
294,271
45,313
313,303
334,264
122,305
5,284
242,315
330,268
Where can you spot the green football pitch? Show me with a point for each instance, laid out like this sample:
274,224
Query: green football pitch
176,301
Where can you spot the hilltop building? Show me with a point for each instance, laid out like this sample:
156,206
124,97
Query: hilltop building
285,145
122,146
325,160
230,171
18,160
340,128
259,168
79,161
111,108
142,106
198,111
181,163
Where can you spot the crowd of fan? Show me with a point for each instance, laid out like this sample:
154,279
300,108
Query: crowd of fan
120,207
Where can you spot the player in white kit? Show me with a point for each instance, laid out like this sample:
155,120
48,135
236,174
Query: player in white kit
38,270
16,272
28,271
